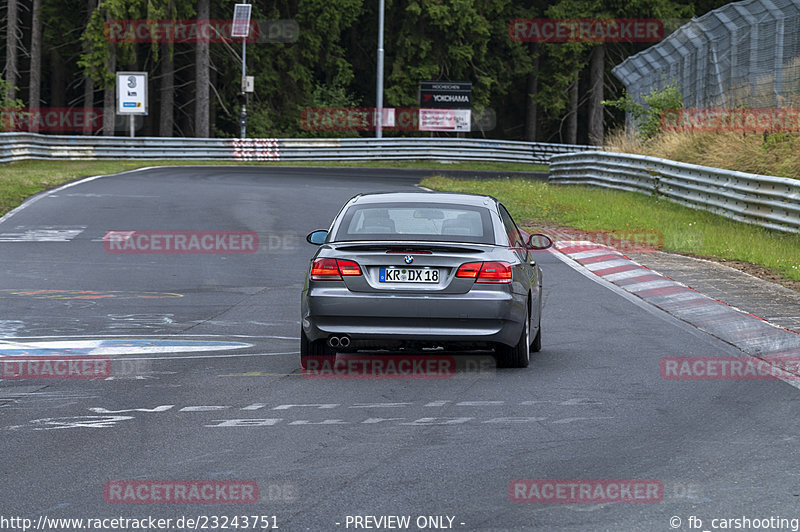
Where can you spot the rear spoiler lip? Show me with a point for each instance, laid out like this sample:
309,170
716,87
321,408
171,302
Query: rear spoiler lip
413,247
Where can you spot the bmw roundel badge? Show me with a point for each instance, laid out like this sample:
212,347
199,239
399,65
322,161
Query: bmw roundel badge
409,259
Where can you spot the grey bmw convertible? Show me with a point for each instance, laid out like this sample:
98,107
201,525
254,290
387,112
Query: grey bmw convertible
423,270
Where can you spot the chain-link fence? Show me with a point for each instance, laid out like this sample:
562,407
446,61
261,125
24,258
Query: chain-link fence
745,54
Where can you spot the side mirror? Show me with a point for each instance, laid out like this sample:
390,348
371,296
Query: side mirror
539,241
317,237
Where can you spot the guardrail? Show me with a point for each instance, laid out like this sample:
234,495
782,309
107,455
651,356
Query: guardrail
768,201
22,146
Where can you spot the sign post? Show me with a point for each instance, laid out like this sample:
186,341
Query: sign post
445,106
379,81
131,95
241,28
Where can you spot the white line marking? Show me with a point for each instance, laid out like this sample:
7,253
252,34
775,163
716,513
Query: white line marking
45,233
592,253
619,276
573,419
231,355
607,264
201,408
97,347
706,311
13,343
791,380
648,285
579,244
160,336
684,296
30,201
380,405
254,406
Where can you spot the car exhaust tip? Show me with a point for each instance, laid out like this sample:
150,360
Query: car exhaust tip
333,341
344,341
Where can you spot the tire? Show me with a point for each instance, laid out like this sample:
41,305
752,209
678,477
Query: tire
536,346
518,356
315,354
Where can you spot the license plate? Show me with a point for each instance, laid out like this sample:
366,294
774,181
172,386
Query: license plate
391,274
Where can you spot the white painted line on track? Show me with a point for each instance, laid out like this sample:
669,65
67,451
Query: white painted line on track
160,336
226,355
639,302
649,285
639,272
43,233
589,254
675,317
679,296
30,201
154,347
607,264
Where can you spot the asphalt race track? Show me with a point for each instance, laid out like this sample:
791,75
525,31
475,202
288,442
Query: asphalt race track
205,383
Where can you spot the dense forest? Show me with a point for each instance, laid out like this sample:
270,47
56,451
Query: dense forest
321,53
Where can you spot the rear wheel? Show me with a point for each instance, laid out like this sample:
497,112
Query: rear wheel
536,346
518,356
316,354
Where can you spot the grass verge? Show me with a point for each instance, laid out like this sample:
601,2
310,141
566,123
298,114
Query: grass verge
688,231
776,154
23,179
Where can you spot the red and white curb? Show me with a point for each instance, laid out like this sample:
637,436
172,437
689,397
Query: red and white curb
748,332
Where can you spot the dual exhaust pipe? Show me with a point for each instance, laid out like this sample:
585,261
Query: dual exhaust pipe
339,341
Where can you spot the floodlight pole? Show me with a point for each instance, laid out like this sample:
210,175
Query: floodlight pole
379,82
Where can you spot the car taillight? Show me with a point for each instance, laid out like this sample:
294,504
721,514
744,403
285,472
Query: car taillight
348,267
469,269
495,272
486,272
325,269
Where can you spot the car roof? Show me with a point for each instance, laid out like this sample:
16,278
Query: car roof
454,198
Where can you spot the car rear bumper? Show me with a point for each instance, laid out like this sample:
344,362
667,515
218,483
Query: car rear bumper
493,314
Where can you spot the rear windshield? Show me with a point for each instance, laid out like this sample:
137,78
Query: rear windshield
433,222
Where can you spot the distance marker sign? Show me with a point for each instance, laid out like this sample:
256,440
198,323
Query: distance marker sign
132,93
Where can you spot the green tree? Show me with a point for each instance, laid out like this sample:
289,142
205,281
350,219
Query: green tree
289,76
8,106
648,117
438,40
11,70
